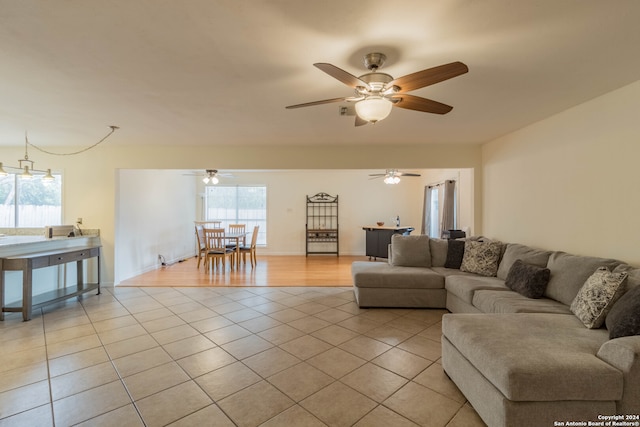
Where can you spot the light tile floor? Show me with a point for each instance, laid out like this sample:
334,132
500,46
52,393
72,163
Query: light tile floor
226,357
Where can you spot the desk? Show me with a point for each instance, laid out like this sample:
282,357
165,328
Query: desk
237,237
31,261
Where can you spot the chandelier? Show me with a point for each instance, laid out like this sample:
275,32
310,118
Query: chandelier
26,165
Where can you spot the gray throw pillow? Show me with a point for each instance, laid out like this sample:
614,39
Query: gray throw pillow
528,280
597,296
526,254
410,251
455,253
481,257
624,318
438,248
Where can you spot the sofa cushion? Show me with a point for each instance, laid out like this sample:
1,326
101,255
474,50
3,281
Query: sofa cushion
455,253
481,257
535,357
633,274
382,275
410,251
596,297
624,318
497,301
526,254
527,280
569,272
466,284
438,248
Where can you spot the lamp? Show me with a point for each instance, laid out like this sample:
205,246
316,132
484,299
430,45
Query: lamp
214,180
211,177
373,108
392,177
391,180
26,165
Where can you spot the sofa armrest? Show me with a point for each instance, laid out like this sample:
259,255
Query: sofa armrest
624,354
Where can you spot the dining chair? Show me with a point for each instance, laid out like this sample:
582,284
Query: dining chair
210,224
236,229
216,250
251,250
202,245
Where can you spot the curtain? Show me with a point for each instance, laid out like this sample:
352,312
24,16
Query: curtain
448,206
426,211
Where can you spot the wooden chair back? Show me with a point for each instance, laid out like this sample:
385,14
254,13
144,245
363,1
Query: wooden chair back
214,239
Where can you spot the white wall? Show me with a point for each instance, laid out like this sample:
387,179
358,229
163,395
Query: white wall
361,202
570,182
155,210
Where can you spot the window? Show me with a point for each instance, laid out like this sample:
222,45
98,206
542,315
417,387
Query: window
436,205
30,202
238,205
434,217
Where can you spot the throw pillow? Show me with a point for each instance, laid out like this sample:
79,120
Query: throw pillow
410,251
481,257
438,248
624,318
455,253
528,280
597,296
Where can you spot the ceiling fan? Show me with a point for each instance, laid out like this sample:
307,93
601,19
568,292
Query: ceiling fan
211,176
392,176
376,93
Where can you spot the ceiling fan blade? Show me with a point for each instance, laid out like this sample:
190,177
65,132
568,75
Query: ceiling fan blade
324,101
340,74
360,121
411,102
429,76
408,174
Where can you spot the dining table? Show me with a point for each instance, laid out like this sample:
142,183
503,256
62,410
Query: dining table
237,237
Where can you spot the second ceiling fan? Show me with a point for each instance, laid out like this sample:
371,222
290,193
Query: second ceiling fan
376,93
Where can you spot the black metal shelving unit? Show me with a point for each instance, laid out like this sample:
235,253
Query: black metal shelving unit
322,236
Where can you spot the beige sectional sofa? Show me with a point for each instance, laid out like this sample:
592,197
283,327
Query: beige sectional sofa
520,361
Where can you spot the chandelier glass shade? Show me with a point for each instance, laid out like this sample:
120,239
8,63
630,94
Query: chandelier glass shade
213,179
391,179
373,108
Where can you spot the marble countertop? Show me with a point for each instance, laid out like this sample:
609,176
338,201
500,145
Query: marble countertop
17,244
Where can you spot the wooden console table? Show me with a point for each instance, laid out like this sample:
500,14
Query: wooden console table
31,261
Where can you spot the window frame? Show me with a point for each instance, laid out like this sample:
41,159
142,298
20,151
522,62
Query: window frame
18,190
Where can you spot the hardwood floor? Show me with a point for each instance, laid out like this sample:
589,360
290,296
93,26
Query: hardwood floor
316,270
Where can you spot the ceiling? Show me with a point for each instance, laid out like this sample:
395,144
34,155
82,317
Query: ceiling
221,72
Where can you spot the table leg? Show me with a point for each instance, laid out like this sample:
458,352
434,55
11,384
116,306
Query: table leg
80,274
1,292
27,291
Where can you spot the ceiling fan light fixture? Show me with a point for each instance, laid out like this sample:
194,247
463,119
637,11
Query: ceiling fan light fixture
392,179
373,108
